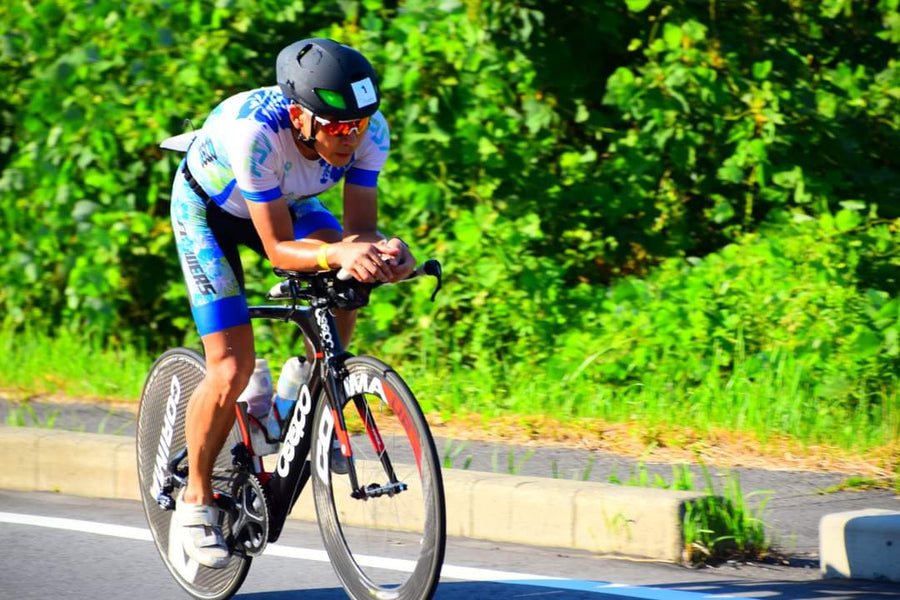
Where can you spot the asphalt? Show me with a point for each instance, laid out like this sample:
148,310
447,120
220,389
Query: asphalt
790,503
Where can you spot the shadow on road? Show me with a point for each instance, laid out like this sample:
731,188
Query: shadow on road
598,590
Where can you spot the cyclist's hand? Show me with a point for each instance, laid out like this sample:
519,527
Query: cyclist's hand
367,262
401,264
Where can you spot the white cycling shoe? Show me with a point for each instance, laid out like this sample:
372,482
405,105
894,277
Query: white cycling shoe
201,533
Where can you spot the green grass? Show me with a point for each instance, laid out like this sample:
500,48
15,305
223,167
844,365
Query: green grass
773,405
767,406
859,484
451,453
582,475
682,478
719,526
68,365
723,527
22,414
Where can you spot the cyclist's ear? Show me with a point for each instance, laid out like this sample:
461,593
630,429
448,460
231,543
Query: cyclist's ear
300,119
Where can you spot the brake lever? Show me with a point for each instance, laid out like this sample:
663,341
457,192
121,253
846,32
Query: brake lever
433,267
429,267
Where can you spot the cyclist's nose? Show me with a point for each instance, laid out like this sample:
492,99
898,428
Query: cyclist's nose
352,138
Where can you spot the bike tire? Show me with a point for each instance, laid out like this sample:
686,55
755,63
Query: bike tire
164,399
408,528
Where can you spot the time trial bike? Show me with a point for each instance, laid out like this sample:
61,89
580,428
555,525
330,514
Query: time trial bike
380,494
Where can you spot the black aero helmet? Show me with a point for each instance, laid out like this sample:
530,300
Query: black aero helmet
328,78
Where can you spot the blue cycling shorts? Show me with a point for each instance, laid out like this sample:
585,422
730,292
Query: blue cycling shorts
208,238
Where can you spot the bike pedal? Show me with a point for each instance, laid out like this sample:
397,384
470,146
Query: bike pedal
165,502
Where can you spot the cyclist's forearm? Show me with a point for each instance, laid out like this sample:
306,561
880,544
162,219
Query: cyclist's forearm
305,255
298,255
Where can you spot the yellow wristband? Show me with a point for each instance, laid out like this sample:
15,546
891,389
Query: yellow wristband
323,258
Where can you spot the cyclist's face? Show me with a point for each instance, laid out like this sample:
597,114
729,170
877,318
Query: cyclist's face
335,149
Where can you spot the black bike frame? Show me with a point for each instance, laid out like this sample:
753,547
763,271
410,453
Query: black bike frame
284,485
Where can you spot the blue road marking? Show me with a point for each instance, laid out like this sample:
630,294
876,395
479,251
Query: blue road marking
618,590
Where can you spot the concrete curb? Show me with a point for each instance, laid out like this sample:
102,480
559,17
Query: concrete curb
861,544
537,511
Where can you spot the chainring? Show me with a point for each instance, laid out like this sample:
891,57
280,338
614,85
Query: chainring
250,529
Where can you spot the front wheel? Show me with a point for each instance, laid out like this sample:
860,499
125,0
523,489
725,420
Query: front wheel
390,543
160,436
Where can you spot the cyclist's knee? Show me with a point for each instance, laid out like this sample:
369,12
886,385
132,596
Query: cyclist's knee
229,375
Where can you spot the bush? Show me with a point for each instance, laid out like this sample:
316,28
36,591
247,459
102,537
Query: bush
543,151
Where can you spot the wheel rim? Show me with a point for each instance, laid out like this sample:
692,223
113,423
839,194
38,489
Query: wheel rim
392,545
171,382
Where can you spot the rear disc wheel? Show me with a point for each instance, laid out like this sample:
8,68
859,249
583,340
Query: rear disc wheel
160,436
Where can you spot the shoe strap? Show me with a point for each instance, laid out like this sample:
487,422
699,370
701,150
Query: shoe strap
215,540
198,514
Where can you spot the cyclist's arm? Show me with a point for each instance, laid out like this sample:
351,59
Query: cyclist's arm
272,221
361,214
364,260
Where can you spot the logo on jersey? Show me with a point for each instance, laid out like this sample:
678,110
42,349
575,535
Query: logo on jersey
207,152
259,152
267,107
193,266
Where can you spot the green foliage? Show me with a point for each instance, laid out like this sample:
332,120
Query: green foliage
641,206
682,478
723,526
73,365
89,91
718,526
23,414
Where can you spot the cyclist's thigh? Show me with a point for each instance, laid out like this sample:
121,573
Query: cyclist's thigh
217,301
313,221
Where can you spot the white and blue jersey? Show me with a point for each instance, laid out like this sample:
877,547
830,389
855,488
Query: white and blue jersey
246,152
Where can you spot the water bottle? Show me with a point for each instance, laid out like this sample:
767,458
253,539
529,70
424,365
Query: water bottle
294,374
258,393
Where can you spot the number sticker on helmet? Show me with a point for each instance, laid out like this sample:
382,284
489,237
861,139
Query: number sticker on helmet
364,90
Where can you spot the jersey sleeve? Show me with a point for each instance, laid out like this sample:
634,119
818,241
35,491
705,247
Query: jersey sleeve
254,161
372,154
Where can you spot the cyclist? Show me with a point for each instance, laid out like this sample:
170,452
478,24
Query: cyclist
251,177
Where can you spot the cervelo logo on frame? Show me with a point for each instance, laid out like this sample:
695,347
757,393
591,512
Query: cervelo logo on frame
296,432
165,437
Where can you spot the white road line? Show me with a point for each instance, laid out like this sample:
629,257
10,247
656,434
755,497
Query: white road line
407,566
448,571
133,533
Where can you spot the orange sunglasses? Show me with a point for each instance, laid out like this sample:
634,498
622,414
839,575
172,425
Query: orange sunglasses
343,127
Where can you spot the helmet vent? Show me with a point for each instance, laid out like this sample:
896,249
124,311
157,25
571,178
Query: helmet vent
331,98
303,52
